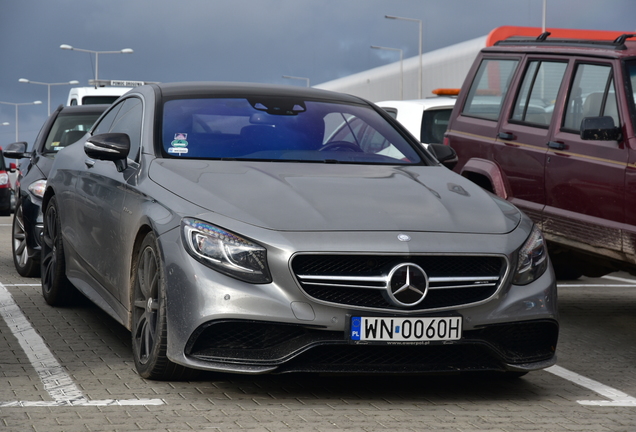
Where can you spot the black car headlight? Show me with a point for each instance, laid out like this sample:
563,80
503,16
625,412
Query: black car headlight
225,252
533,259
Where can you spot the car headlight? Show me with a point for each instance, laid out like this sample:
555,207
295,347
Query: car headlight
533,259
225,252
37,188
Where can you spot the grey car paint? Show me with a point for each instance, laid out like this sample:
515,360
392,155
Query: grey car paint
290,208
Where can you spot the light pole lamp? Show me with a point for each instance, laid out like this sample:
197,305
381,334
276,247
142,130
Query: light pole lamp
419,84
24,80
401,66
97,53
297,78
16,112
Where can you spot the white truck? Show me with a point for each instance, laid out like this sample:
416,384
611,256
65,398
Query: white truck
100,92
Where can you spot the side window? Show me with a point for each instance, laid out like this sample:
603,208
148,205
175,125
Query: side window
434,125
391,111
538,92
128,121
592,94
489,89
106,122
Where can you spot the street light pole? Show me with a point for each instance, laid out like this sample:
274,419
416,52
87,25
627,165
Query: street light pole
419,84
24,80
16,112
297,78
97,53
401,67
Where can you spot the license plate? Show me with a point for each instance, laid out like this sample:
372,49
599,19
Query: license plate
395,329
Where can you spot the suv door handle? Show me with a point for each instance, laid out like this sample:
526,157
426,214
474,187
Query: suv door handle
556,145
505,136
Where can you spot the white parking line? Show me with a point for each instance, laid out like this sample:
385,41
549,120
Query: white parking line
56,381
627,281
618,398
571,285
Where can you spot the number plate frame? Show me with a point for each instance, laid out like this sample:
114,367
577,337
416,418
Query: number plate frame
403,330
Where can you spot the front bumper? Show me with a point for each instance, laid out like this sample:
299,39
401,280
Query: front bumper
221,324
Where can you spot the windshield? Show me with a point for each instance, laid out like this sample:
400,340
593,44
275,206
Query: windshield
68,129
97,100
281,129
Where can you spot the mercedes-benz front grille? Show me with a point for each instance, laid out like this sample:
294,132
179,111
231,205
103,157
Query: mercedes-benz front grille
363,280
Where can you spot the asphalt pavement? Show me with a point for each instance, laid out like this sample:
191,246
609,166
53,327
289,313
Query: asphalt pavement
71,369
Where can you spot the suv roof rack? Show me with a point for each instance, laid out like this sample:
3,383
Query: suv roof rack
617,44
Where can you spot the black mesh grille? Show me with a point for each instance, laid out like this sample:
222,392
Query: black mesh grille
394,359
521,342
362,266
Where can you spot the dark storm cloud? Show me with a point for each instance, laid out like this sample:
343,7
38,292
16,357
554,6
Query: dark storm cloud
244,40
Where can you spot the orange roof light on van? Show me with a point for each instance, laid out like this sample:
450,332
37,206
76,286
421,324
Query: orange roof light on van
446,92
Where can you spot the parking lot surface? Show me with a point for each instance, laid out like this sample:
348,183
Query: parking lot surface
71,369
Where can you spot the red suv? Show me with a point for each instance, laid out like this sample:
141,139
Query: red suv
548,123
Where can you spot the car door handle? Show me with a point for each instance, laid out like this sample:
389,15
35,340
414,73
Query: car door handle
556,145
506,136
89,163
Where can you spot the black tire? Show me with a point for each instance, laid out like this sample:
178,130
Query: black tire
149,326
566,272
23,259
56,288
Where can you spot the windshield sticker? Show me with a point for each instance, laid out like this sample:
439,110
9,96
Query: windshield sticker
55,143
177,150
180,140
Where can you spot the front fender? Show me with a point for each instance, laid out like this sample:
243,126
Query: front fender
487,174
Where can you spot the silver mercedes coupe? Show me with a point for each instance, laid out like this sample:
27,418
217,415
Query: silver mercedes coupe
254,229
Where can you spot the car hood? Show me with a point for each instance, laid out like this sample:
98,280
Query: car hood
289,196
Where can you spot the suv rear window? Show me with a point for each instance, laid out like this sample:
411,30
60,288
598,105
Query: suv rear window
489,89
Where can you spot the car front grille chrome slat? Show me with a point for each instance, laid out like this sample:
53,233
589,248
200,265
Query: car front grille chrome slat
364,281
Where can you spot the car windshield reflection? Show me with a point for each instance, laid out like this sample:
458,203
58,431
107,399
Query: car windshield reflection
281,130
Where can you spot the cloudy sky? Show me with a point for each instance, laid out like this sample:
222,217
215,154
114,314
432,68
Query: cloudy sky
244,40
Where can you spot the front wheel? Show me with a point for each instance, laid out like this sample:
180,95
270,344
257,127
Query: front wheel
149,324
56,288
23,259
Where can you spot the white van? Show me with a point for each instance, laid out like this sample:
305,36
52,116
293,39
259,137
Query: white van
101,92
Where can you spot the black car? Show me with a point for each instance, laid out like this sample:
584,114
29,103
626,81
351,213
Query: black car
64,126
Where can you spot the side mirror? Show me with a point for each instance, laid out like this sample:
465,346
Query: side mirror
16,150
600,129
446,155
109,147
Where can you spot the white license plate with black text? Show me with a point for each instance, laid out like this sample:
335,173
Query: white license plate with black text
398,329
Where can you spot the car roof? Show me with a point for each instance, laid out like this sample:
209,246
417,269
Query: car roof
605,48
233,89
